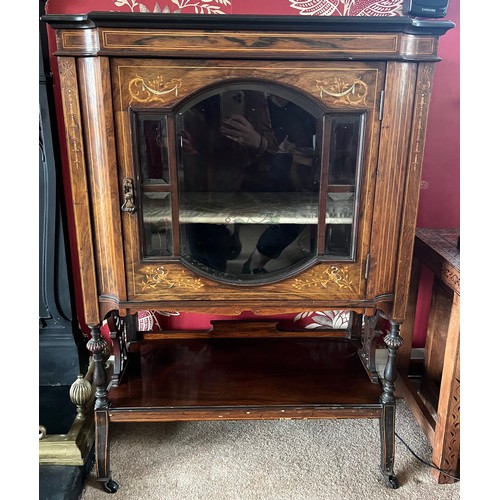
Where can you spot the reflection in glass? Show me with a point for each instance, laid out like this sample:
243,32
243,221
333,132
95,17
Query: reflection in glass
344,149
157,222
338,240
152,149
343,180
248,183
339,219
248,176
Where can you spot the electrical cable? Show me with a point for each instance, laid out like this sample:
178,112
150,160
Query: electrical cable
424,462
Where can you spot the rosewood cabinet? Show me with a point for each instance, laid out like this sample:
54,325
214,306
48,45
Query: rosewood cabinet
233,164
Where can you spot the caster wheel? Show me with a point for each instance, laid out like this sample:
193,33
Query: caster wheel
110,486
393,482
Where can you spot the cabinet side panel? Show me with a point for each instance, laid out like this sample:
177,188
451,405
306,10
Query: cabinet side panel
412,189
78,181
391,174
99,132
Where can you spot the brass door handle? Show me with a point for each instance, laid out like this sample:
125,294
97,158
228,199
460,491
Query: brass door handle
128,194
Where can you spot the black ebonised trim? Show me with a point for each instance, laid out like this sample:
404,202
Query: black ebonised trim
231,22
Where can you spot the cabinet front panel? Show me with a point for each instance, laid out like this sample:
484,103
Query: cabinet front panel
175,282
246,178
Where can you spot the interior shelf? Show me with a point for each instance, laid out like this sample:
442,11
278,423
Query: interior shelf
272,376
252,208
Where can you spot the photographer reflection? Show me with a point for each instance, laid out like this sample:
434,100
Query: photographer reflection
245,141
226,139
292,170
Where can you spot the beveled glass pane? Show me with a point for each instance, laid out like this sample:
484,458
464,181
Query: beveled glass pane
157,225
344,151
248,182
339,223
152,142
343,185
338,240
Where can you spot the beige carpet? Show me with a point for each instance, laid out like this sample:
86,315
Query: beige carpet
266,460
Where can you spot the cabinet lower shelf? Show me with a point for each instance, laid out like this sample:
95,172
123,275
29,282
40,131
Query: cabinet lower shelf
236,379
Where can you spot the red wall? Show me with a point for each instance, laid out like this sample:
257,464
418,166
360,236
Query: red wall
439,197
439,205
440,194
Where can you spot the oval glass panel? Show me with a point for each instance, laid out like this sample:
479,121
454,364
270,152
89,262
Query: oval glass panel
248,174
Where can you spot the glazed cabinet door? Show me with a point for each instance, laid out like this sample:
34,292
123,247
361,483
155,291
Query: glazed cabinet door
238,175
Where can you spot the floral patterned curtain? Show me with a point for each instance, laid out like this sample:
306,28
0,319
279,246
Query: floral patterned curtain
277,7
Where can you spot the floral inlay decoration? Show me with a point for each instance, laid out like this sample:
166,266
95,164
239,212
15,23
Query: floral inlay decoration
338,276
345,92
148,91
162,278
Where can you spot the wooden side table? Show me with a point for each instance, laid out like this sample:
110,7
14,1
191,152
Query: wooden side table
434,397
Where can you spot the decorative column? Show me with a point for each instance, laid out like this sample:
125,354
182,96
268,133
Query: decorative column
97,345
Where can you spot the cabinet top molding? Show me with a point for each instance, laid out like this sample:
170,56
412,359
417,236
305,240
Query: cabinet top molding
233,22
124,34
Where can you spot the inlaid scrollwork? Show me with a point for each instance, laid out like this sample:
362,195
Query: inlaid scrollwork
333,275
160,277
72,112
425,80
352,92
146,91
424,87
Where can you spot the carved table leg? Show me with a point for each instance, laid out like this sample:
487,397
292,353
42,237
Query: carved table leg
387,421
96,345
102,451
446,443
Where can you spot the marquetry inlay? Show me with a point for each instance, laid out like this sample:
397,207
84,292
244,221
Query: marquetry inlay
72,113
144,91
332,276
424,85
161,277
344,91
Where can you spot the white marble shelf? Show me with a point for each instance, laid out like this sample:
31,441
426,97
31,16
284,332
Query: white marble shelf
251,208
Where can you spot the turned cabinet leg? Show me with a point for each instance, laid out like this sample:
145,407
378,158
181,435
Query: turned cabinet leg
388,420
102,444
387,441
97,345
102,451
